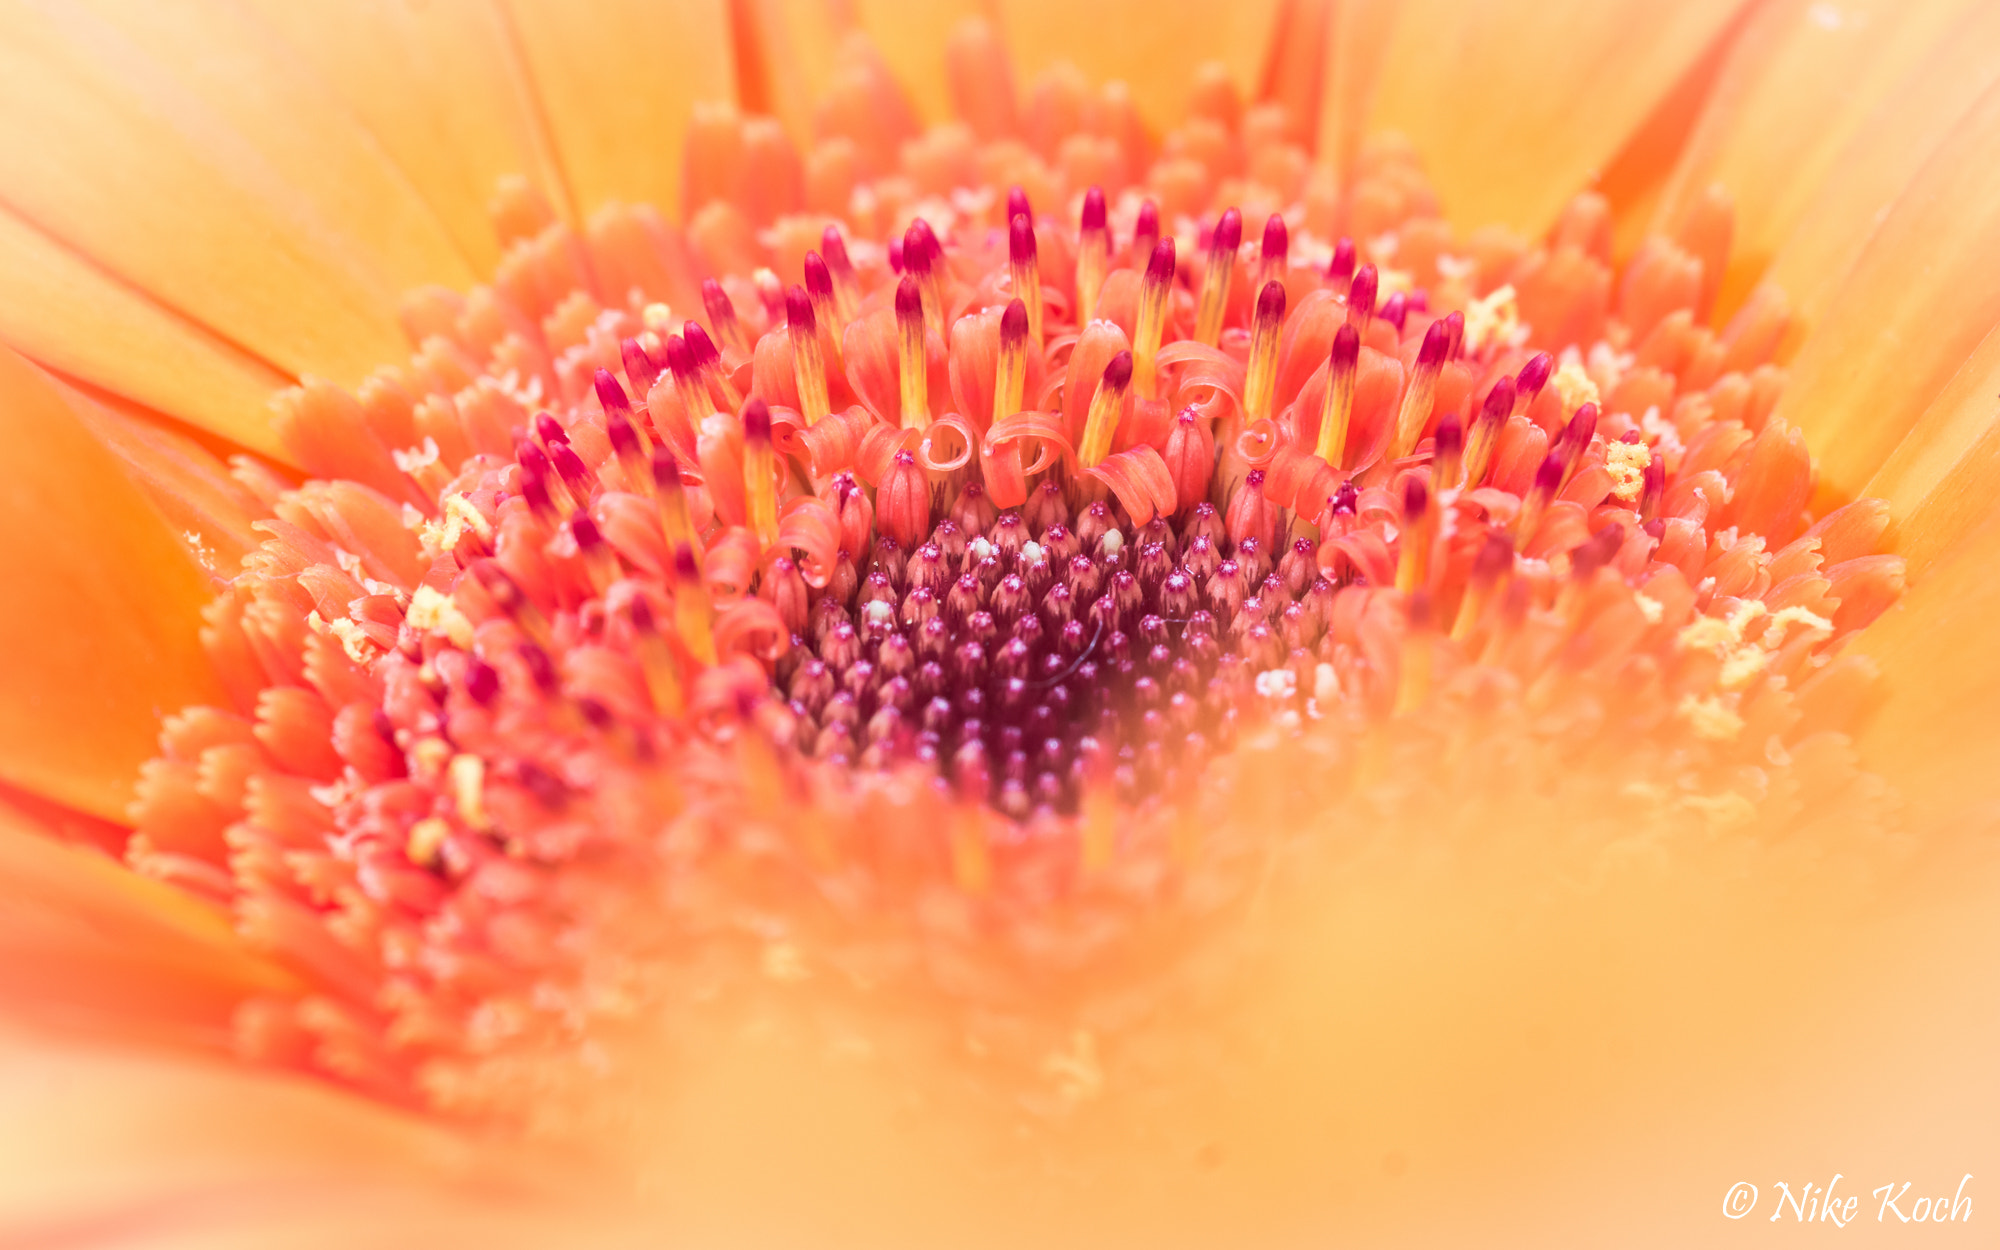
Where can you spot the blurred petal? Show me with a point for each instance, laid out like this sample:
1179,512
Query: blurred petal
1517,105
1360,39
1797,84
77,319
432,83
1881,159
184,152
910,35
1943,479
98,634
1933,736
1153,47
109,1148
1911,312
616,85
86,943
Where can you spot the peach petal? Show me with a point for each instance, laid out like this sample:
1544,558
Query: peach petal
1944,476
1517,105
617,89
100,627
187,153
1907,317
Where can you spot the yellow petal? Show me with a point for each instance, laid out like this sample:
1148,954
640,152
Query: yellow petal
1153,47
74,317
432,83
1875,166
1516,105
183,151
86,941
617,85
1910,313
1933,736
1795,87
98,632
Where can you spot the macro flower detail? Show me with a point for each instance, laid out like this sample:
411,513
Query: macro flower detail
903,618
787,623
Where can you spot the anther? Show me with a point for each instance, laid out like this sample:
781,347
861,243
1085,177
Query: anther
924,257
1342,365
808,364
1421,392
722,315
1533,377
1447,451
760,473
1215,278
1106,407
640,369
1025,267
708,363
1548,480
1092,255
1151,323
1271,257
1010,379
1261,376
1340,269
1145,231
819,289
1485,432
846,287
1576,436
1361,298
1395,311
913,361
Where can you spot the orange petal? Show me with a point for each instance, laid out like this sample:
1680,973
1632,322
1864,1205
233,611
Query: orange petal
1910,313
1516,105
1944,477
432,83
617,87
98,632
1933,736
1880,160
182,150
1360,39
77,319
89,941
1153,47
1794,88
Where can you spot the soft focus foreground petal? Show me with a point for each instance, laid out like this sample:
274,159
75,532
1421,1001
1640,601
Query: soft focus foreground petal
1151,46
88,944
1517,105
98,634
1943,479
68,314
1795,86
113,1148
616,84
1879,162
1910,313
434,83
187,153
1934,737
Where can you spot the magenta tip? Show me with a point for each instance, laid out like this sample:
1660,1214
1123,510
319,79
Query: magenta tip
1020,239
609,394
585,530
1277,239
756,420
550,429
666,469
1450,435
679,359
799,310
1271,302
834,249
1361,291
819,283
1014,321
1017,203
1093,210
1416,497
1118,371
1229,231
1549,477
1437,341
1341,267
909,299
1535,374
1346,347
1499,401
684,565
1395,310
701,348
1161,267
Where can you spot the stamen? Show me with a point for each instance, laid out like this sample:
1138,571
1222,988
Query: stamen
819,288
1215,278
670,498
656,660
1093,250
1485,432
1340,269
1026,270
1422,391
1272,256
1533,377
1342,365
846,286
1361,298
913,361
1445,459
1017,203
1261,375
1574,439
1010,378
760,474
1653,488
1419,528
640,369
600,563
1151,323
808,366
629,445
1106,406
1145,231
923,255
722,316
1548,480
1494,561
692,609
708,362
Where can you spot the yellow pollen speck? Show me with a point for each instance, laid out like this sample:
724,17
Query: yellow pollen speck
1626,463
1495,318
659,318
1742,666
417,459
430,610
428,757
1723,811
1652,609
1392,282
426,837
468,790
1575,386
354,640
1710,718
1774,633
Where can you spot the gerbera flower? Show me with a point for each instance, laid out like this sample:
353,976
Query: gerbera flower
775,622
